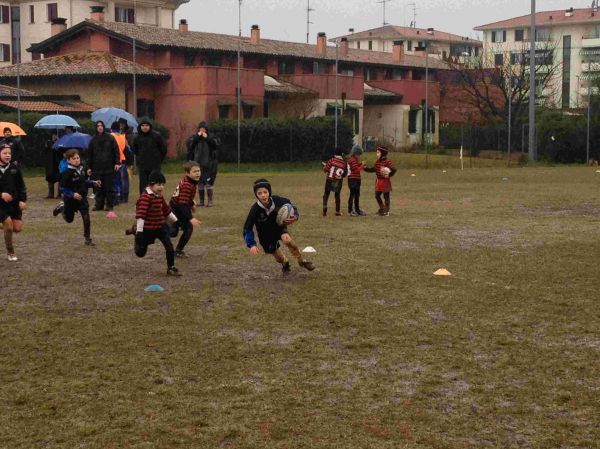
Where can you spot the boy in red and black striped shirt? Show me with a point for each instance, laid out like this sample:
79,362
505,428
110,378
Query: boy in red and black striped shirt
384,169
354,168
152,215
335,170
183,206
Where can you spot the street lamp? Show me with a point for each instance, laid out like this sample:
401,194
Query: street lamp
587,148
239,90
532,148
337,45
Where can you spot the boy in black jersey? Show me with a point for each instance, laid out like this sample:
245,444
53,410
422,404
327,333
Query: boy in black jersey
263,216
13,198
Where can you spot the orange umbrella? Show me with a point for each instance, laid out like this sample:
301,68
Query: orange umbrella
15,129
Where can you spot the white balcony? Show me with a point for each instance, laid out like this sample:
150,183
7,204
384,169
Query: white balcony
588,42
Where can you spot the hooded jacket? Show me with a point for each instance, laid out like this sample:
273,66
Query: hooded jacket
103,153
16,145
204,151
149,148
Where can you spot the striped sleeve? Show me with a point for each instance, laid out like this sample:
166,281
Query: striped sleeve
141,207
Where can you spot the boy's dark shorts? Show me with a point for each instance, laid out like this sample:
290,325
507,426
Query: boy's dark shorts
333,186
72,205
150,235
270,242
10,210
354,183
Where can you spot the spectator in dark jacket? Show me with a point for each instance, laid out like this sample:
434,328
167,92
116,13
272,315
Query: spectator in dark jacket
52,158
15,144
104,162
150,151
202,148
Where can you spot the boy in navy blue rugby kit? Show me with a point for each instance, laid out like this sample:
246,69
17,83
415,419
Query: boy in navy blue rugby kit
263,216
183,206
153,215
74,184
13,196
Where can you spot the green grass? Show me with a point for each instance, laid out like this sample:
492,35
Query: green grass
369,351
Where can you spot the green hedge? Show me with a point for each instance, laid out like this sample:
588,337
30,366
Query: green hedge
35,140
278,140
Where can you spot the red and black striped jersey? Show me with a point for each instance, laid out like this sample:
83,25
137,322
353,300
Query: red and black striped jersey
380,163
153,209
354,167
335,169
184,193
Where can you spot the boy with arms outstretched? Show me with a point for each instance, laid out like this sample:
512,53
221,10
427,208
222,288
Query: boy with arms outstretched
74,184
13,198
152,215
263,216
183,205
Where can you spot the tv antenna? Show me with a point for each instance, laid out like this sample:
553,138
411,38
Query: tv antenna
308,22
383,3
413,24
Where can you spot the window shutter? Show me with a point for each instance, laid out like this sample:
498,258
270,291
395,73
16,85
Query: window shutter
5,14
493,36
131,15
6,52
504,36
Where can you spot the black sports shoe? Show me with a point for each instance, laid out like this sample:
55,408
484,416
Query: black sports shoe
307,265
285,267
131,231
173,272
60,207
180,254
88,242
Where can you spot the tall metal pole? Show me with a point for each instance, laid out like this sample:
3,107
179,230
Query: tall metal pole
426,106
239,89
18,61
587,152
134,109
532,127
509,110
336,93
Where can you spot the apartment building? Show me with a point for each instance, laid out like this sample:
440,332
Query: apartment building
439,44
23,23
566,42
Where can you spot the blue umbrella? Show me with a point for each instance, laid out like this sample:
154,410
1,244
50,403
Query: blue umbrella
111,115
56,121
73,140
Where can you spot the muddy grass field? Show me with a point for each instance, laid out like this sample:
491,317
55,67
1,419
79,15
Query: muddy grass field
368,351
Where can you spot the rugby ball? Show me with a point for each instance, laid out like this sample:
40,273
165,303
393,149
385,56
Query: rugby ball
284,213
385,171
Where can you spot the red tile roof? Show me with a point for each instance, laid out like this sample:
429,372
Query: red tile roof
47,106
546,18
8,91
399,32
153,37
276,86
80,64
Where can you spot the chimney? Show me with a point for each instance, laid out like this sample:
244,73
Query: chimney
351,30
569,12
429,30
344,46
183,26
97,13
255,35
397,51
321,44
58,26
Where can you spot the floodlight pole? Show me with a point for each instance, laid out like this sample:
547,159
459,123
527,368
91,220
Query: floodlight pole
336,93
587,149
239,90
509,110
134,51
18,58
532,127
426,105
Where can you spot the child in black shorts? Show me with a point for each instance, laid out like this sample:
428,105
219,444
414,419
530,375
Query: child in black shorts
13,198
74,184
263,216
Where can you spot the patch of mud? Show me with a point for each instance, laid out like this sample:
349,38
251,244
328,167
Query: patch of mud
437,316
400,245
582,209
470,238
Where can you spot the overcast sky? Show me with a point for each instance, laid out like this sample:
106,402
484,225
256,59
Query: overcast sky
286,19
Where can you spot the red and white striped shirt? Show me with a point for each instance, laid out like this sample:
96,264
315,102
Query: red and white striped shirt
384,163
354,167
335,169
184,193
153,209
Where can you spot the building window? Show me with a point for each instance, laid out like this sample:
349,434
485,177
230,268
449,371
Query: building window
320,68
409,45
412,121
15,31
189,59
52,11
516,58
224,110
124,15
542,35
498,59
397,74
212,60
247,110
286,67
346,71
145,108
476,51
4,52
498,36
371,74
31,14
519,35
4,14
370,45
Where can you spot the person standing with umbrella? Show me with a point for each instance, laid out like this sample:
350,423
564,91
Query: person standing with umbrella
15,144
52,158
103,163
150,151
202,148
